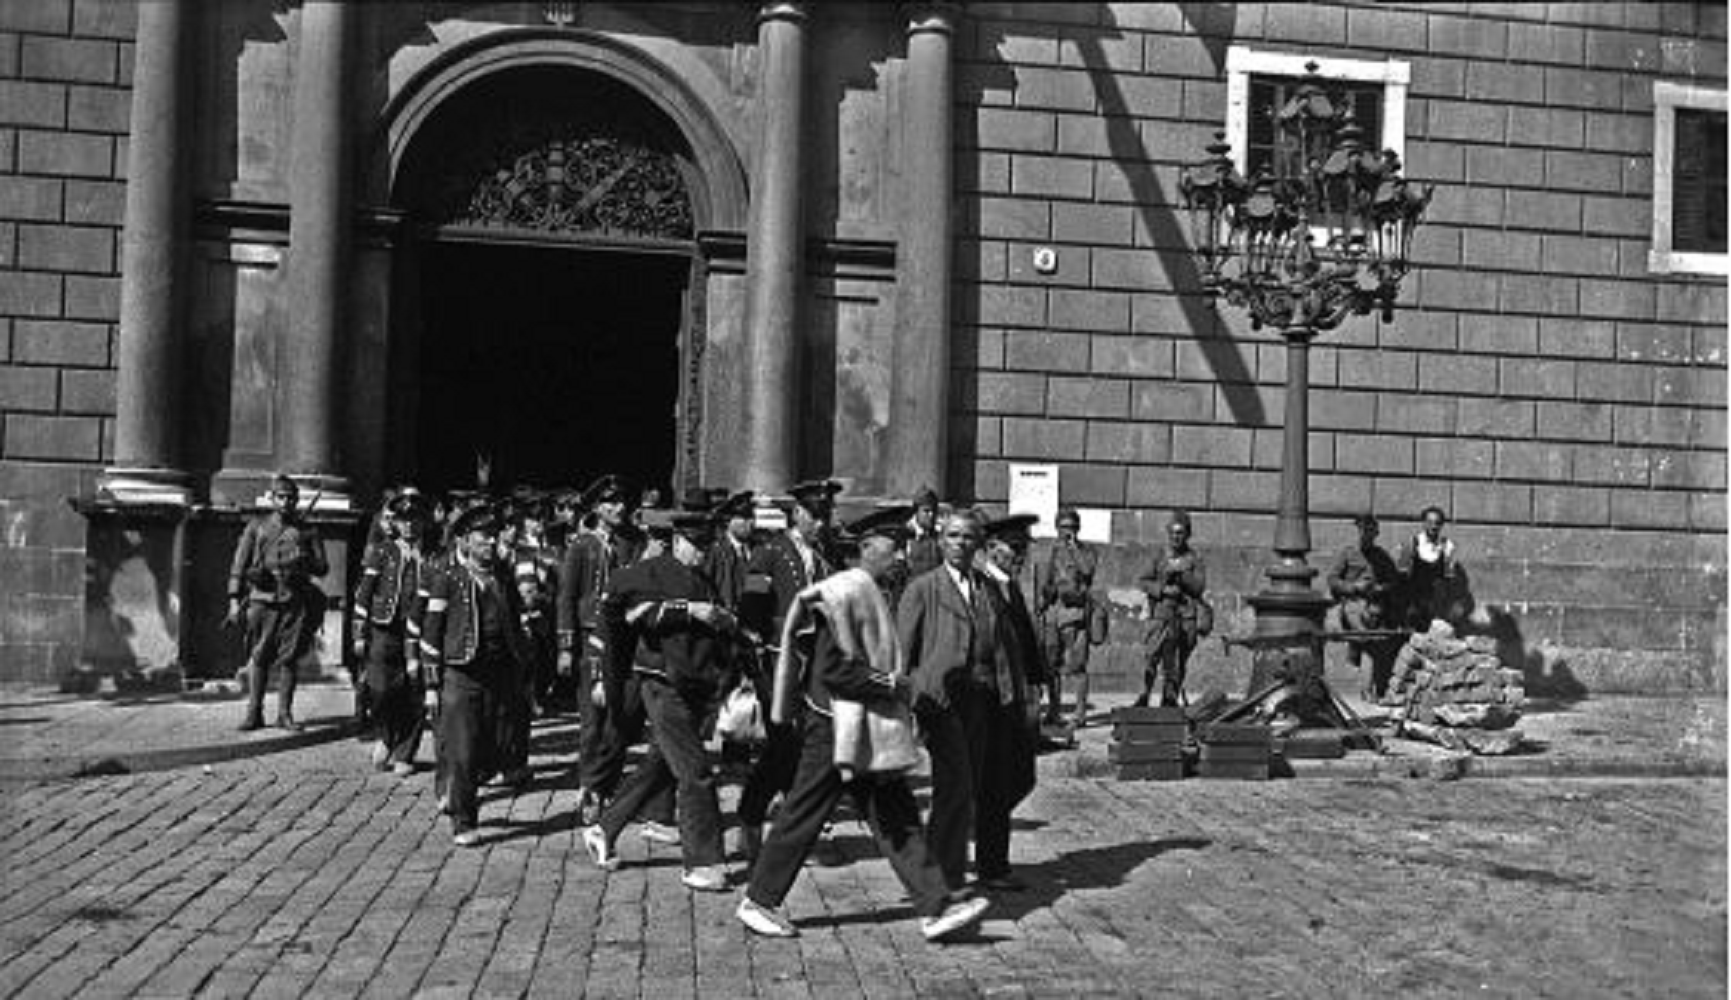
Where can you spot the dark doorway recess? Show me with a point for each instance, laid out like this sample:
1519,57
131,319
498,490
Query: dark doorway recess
554,364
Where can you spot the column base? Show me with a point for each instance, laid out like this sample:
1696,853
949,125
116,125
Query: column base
144,487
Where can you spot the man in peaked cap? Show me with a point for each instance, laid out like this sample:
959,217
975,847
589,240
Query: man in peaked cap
664,623
788,563
386,628
846,611
589,562
730,556
472,645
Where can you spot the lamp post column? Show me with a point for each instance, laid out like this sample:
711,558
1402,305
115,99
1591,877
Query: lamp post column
1287,639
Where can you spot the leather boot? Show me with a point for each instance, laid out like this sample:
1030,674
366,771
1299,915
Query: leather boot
285,700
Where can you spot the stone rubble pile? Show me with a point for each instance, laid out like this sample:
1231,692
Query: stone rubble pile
1456,693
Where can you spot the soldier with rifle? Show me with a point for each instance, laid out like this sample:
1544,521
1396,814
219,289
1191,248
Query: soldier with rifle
271,590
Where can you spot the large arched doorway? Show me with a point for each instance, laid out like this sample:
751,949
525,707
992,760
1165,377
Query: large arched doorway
549,292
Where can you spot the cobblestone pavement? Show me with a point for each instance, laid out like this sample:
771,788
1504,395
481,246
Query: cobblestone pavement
303,874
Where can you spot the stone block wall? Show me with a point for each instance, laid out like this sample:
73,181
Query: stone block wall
1566,406
65,79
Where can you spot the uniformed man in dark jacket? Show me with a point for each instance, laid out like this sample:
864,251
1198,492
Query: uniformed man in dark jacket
591,558
729,558
664,623
271,582
472,645
386,629
783,566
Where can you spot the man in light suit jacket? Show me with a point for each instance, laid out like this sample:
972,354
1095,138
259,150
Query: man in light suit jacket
970,694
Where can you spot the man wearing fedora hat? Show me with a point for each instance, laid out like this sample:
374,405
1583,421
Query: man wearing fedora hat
386,632
276,562
844,638
589,562
783,566
472,645
664,624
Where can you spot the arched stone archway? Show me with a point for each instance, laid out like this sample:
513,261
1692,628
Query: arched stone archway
720,195
554,189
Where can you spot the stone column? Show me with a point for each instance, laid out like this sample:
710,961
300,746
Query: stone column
318,251
152,291
775,254
920,389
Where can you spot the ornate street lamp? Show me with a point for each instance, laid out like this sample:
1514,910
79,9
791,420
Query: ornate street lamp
1302,245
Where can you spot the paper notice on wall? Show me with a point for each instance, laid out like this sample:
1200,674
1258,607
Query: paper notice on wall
1034,490
1096,525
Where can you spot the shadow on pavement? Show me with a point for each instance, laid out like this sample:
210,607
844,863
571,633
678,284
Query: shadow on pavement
1090,868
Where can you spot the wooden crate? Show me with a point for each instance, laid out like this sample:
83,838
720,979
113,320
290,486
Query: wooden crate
1138,753
1154,770
1150,732
1152,713
1313,744
1236,769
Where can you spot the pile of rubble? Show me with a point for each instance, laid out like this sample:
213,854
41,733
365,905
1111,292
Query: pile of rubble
1456,693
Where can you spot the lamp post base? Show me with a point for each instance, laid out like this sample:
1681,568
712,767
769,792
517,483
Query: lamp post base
1286,643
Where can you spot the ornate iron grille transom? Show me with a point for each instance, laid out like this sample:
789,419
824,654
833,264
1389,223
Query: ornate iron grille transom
594,184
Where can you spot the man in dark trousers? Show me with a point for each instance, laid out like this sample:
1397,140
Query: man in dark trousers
782,567
590,560
1364,579
386,635
271,582
1063,605
846,612
665,623
472,645
969,695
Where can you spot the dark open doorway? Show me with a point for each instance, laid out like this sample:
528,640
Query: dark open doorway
553,364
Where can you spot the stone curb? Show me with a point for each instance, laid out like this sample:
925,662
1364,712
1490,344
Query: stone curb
1089,764
15,769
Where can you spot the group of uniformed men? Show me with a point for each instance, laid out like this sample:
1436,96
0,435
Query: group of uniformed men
481,612
477,613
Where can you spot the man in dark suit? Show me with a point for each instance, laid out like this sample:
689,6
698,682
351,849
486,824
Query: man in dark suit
970,694
781,568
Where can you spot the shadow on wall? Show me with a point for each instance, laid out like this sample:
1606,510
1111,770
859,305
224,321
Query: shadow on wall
1548,680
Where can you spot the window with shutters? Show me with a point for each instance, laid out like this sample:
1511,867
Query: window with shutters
1688,180
1259,82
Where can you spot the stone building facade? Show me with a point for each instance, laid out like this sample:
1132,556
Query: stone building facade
903,244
